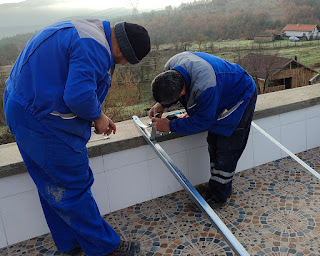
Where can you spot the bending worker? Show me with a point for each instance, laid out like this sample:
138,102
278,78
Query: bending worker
54,92
219,97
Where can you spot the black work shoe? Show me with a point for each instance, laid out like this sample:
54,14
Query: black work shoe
212,203
74,252
212,200
126,249
202,189
215,203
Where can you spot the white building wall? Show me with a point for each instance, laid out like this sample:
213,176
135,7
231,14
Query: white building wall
314,34
315,30
297,34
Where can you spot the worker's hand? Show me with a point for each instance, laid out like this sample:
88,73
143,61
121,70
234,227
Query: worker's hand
104,125
161,124
157,109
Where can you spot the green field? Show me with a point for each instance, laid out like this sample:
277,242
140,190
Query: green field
307,52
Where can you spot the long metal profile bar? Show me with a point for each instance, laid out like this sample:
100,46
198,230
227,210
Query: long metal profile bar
286,150
204,206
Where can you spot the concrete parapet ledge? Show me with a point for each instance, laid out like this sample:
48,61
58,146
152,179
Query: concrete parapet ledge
276,103
128,136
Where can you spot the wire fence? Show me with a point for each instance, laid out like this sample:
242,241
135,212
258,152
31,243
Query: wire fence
153,64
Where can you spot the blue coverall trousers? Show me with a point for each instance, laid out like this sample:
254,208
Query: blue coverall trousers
63,179
225,153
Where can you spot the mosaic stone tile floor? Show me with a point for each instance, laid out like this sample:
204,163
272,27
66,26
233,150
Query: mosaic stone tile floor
274,210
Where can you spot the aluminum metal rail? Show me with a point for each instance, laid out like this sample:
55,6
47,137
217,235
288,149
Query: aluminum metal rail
203,205
312,171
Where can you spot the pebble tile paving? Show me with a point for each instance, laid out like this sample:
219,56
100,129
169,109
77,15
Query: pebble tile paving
274,210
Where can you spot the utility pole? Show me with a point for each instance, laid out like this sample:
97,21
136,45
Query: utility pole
134,5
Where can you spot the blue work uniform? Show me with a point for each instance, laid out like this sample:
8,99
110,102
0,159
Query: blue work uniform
220,98
54,92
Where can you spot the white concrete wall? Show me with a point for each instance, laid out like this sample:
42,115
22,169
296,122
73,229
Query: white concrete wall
301,34
136,175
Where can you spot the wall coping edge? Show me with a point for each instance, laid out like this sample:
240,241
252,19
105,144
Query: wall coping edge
128,136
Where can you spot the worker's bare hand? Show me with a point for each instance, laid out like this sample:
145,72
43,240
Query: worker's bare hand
157,109
104,125
161,124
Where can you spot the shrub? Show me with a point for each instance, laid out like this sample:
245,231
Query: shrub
122,98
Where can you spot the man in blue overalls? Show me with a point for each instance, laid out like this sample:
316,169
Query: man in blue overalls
219,97
54,92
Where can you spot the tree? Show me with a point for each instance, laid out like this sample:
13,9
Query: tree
8,54
315,4
261,67
122,98
168,9
201,39
155,59
183,42
294,13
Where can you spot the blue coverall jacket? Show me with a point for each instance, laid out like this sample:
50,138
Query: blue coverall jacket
218,93
220,98
63,75
54,92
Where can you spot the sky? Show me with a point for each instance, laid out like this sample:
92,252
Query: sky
9,1
98,4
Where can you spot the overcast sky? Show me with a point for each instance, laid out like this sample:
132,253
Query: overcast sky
98,4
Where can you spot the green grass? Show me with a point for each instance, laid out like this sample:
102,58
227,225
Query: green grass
252,44
308,53
3,130
308,56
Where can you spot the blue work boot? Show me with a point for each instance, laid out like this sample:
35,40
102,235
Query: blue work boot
126,249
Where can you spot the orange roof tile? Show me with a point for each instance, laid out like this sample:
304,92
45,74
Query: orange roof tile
299,27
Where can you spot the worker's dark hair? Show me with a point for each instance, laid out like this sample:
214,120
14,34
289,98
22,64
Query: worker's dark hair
167,86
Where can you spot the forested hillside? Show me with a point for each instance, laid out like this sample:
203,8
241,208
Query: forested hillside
10,48
202,21
203,25
226,19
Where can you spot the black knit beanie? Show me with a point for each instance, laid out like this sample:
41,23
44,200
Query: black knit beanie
133,40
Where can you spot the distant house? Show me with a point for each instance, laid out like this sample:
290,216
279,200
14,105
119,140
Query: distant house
268,36
264,37
273,73
302,31
276,33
